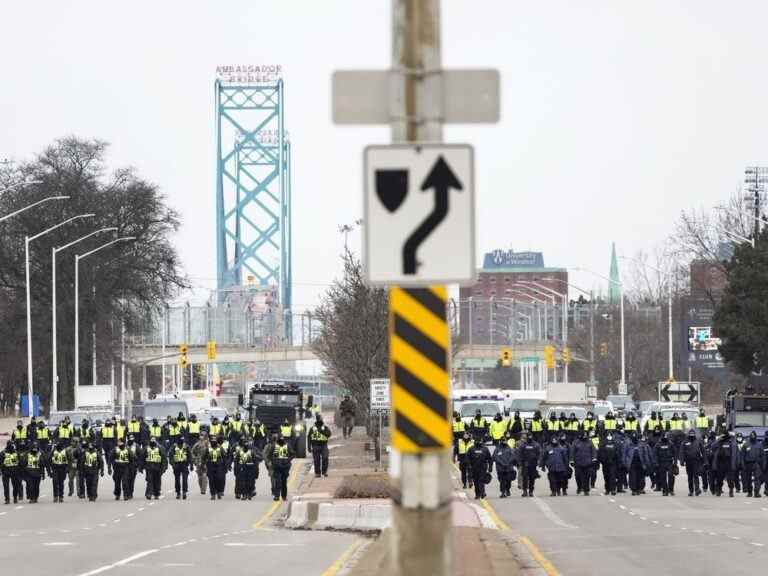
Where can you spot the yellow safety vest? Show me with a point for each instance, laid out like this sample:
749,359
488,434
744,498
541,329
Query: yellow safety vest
174,430
285,430
86,432
42,433
134,427
464,445
554,425
459,426
153,455
59,457
236,425
609,424
33,461
589,424
595,442
499,428
214,454
120,431
11,460
317,435
511,443
572,426
121,456
281,452
630,425
155,431
64,431
179,455
194,427
702,422
653,423
183,424
675,425
536,426
91,459
215,429
245,456
20,434
108,432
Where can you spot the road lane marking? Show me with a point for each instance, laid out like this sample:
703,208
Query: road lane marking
539,557
119,563
58,543
19,508
176,565
131,515
757,544
256,545
3,513
275,505
336,567
501,525
551,516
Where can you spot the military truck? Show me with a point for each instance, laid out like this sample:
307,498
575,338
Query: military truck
746,411
274,402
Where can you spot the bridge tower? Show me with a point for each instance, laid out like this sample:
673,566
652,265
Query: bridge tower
253,180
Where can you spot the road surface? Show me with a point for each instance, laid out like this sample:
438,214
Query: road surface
162,537
640,535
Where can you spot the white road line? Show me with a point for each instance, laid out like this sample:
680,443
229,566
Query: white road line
141,509
131,515
58,543
643,518
632,513
622,506
654,521
102,525
711,533
757,544
252,545
3,513
119,563
177,565
612,500
734,537
19,508
554,518
667,525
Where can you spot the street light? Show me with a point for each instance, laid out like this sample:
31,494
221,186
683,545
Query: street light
669,308
621,312
54,353
79,257
27,240
20,210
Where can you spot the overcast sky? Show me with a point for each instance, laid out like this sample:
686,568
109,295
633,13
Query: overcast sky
616,114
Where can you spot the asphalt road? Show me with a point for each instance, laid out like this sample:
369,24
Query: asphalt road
232,537
639,535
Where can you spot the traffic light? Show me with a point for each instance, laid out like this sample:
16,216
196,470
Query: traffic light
604,349
506,357
565,355
211,350
183,358
549,356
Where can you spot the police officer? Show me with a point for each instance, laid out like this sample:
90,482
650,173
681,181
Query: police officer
480,464
609,424
93,467
10,469
154,464
19,436
528,455
246,471
554,460
459,427
630,423
215,460
121,459
652,423
319,435
702,424
108,442
504,458
572,427
134,427
609,457
58,466
34,472
85,432
537,427
259,435
155,432
691,456
666,462
43,437
135,457
589,424
237,430
281,467
725,463
478,427
193,430
553,427
638,462
583,458
181,461
347,411
462,449
751,456
75,472
64,432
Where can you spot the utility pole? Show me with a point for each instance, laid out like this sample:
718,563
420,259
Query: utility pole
421,515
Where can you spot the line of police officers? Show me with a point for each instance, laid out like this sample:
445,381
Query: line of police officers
124,449
628,453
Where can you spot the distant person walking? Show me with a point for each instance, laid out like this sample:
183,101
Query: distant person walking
347,410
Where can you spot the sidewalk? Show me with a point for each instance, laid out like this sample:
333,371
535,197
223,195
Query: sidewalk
7,424
355,497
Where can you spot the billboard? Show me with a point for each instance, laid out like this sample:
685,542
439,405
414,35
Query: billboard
699,348
510,259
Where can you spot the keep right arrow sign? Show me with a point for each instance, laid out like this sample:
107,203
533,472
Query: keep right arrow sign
679,392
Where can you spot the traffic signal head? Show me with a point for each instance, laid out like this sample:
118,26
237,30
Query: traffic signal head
183,349
566,355
549,356
604,349
506,357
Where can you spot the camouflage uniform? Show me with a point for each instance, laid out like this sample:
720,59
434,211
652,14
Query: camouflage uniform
198,453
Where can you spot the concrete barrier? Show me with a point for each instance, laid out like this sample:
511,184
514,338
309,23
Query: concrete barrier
359,516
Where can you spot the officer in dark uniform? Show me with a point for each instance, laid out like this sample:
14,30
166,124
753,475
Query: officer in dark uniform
480,464
666,462
609,456
528,455
154,464
193,430
246,471
554,461
319,435
725,463
692,457
58,466
462,449
751,456
10,468
121,459
215,460
583,458
504,458
93,467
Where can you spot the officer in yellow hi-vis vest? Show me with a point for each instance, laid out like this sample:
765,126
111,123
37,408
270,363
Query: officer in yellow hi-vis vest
281,467
181,461
34,472
155,463
319,435
10,467
463,446
93,467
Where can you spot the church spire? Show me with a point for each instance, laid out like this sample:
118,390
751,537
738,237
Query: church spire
613,289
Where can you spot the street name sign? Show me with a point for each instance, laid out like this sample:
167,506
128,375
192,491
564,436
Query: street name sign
419,214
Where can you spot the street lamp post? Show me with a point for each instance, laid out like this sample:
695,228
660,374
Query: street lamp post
20,210
78,258
54,353
27,241
620,285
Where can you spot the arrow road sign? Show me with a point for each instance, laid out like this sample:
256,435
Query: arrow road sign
679,391
419,214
